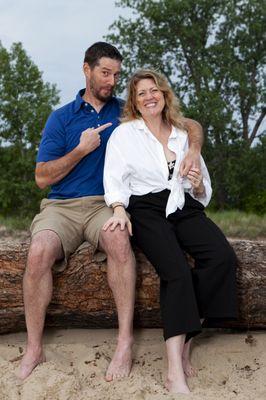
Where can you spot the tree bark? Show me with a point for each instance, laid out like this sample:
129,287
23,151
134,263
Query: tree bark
82,299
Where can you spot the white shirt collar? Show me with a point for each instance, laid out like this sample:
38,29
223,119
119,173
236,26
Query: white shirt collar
176,132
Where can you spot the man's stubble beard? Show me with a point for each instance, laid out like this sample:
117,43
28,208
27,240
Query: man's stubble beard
96,92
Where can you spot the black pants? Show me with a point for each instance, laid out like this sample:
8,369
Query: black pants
186,295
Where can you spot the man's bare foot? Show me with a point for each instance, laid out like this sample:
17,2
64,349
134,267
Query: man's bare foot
121,363
177,385
189,370
29,361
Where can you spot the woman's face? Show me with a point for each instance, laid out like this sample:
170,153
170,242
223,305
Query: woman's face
149,99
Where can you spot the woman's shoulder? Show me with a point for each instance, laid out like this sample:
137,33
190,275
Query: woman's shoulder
180,131
128,127
180,134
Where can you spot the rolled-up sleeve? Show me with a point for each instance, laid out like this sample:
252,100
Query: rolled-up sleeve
116,175
204,200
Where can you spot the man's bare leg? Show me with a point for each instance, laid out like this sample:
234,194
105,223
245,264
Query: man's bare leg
176,381
121,272
45,248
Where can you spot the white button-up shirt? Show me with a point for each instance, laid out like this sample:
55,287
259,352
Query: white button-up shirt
135,164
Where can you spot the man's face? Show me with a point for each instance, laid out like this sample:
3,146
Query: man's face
102,78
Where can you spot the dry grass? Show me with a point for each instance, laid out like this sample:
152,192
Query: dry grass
239,224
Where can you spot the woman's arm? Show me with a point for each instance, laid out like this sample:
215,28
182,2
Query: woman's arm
196,179
116,174
116,186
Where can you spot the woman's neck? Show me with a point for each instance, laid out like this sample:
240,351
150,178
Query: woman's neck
157,126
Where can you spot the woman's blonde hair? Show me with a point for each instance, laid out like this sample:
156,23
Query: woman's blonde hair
171,113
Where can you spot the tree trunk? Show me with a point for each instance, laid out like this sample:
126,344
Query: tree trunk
82,299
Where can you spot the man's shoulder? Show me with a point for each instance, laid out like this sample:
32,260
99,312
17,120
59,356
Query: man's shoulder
66,109
120,101
61,115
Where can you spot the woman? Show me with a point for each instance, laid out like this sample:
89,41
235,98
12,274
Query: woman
141,175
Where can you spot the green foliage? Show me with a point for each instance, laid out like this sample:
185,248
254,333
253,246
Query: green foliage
213,54
25,103
243,177
256,203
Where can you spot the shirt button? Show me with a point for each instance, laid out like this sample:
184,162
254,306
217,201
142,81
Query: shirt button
86,104
92,111
98,124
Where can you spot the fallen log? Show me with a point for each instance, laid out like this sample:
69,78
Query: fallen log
82,299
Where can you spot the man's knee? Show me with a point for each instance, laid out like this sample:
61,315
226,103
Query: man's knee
44,249
116,244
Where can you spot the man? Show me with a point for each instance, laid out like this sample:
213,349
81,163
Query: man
70,160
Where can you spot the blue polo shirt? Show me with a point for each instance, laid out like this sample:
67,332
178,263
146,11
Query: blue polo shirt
62,134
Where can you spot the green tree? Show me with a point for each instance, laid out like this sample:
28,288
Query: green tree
213,54
25,103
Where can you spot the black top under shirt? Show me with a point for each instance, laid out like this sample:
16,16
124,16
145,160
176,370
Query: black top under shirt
171,166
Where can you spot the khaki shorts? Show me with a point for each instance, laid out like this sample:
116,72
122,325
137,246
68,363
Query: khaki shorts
74,221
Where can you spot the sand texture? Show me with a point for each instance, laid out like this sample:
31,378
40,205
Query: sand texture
231,366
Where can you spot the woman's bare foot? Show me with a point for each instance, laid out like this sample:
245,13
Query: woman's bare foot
30,361
176,380
177,385
121,363
189,370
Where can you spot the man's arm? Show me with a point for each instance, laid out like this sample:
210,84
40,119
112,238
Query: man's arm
195,135
50,172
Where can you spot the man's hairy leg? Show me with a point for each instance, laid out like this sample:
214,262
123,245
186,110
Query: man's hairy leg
45,248
121,274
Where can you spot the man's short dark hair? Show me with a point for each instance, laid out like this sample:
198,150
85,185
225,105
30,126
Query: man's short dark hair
99,50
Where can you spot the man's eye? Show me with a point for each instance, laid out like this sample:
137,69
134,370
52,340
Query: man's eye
105,73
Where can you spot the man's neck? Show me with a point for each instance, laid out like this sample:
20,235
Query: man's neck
94,102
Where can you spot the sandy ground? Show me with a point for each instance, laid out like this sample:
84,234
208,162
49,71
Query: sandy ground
230,367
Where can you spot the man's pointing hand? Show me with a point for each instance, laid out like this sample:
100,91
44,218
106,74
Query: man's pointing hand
90,139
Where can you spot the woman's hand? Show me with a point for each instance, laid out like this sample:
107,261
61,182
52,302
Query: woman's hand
196,179
119,218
